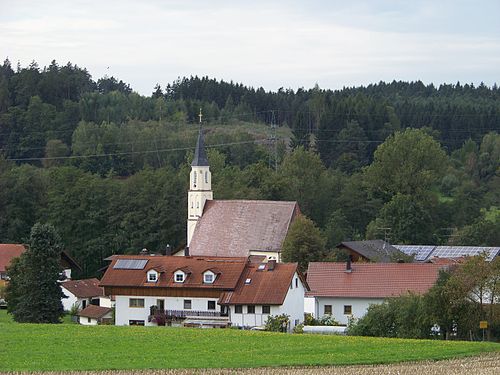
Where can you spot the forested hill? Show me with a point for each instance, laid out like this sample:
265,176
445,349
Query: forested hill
108,167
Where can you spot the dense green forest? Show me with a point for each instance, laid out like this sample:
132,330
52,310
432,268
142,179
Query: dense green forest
109,168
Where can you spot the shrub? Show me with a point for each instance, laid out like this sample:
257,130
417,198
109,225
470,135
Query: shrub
299,328
278,323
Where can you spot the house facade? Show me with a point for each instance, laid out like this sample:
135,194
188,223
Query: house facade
83,293
345,290
206,291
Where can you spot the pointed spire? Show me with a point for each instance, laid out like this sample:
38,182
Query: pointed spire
200,157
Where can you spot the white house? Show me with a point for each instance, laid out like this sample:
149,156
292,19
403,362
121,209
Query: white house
82,293
266,289
93,315
214,291
346,290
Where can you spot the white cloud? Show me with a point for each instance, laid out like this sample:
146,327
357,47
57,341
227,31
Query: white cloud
260,44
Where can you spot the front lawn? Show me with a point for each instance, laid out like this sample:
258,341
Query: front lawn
65,347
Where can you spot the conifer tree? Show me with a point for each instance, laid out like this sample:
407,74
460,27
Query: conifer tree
33,293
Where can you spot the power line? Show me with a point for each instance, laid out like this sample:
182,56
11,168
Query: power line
134,152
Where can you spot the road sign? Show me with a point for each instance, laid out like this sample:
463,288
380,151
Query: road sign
483,324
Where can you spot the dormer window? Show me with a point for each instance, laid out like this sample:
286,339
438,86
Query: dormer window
208,277
152,276
179,277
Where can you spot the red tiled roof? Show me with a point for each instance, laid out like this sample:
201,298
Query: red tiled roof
265,288
84,288
8,252
95,312
376,280
229,270
235,227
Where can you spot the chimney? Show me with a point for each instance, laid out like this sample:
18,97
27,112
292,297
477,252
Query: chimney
186,251
167,250
348,266
271,264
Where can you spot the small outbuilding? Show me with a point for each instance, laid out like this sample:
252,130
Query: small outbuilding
93,315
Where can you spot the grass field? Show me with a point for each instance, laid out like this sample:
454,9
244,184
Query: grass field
26,347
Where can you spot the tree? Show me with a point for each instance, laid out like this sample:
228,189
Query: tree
409,162
304,243
409,218
34,295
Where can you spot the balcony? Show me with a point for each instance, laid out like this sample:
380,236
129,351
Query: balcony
159,316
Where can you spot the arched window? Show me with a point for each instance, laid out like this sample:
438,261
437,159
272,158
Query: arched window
206,177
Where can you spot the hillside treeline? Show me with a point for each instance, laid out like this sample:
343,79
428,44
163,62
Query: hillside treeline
109,167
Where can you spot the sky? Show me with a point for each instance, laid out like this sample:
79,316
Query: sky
268,44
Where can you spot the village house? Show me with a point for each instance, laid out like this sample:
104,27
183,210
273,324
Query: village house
10,251
83,293
377,251
346,290
202,291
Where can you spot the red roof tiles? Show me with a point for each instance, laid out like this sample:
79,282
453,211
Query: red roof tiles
235,227
95,312
8,252
265,287
84,288
229,271
375,280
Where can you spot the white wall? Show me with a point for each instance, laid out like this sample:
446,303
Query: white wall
251,320
124,313
294,302
359,307
70,301
310,306
83,320
105,302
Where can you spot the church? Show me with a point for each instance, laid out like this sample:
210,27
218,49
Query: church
232,228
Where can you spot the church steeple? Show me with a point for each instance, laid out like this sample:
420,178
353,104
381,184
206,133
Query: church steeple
200,185
200,156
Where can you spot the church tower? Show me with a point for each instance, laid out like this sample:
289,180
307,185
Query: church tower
200,185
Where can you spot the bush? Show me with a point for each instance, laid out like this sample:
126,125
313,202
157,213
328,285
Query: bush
325,320
299,328
278,323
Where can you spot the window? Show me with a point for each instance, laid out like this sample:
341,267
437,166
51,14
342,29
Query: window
136,322
266,309
296,282
238,309
89,320
347,309
211,305
187,304
250,309
297,322
152,277
208,277
206,177
179,277
328,310
194,179
248,281
136,302
262,266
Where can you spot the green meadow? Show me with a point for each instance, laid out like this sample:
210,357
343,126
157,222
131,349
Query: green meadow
65,347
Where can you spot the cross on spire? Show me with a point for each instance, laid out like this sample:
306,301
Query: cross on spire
200,115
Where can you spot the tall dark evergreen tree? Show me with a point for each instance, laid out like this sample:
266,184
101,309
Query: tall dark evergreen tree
33,293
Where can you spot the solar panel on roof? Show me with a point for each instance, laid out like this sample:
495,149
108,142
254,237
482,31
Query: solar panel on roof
421,252
130,264
462,251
